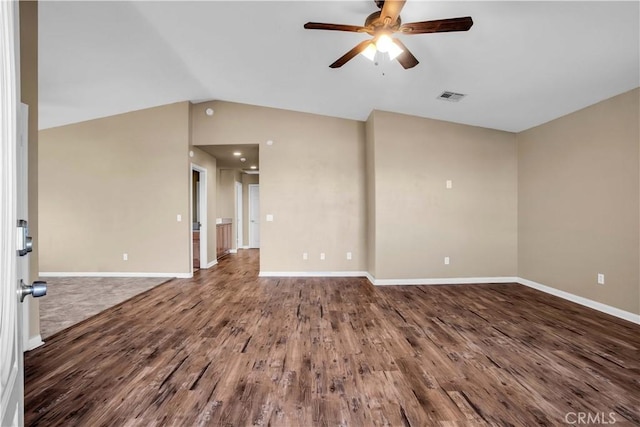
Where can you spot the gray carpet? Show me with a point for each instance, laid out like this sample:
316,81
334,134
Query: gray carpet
70,300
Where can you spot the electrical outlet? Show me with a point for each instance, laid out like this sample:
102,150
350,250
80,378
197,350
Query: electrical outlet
449,184
322,256
305,255
600,279
446,260
349,256
125,257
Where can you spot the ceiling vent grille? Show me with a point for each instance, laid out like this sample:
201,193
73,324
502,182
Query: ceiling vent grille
451,96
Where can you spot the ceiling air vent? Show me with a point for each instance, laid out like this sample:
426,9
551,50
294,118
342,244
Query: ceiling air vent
451,96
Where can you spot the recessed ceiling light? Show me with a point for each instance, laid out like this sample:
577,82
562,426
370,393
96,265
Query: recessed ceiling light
237,153
242,159
254,167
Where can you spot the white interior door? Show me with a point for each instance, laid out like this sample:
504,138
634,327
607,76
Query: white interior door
11,369
203,213
254,215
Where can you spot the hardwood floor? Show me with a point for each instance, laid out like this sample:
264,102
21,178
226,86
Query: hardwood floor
227,348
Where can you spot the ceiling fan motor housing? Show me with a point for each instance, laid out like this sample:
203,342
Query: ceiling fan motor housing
373,21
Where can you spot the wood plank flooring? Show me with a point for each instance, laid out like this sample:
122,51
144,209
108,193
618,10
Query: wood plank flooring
227,348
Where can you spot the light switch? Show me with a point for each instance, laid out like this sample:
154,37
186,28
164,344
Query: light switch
305,255
269,218
179,218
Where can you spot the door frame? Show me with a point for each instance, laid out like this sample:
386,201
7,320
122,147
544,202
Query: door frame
251,236
24,262
239,216
203,212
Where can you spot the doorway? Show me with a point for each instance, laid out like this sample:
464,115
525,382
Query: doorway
198,216
254,215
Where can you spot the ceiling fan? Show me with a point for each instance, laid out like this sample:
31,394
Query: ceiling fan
382,24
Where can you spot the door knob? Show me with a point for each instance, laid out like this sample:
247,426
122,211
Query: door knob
36,290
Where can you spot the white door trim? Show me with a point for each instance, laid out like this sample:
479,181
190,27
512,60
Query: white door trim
23,265
202,195
239,216
252,238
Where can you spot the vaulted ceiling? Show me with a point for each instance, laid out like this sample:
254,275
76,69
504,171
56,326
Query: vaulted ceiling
520,65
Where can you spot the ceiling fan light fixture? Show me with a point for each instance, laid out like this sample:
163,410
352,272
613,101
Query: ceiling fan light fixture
384,43
394,51
370,52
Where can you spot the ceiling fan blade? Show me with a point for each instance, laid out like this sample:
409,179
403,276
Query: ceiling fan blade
406,58
335,27
438,26
391,9
351,54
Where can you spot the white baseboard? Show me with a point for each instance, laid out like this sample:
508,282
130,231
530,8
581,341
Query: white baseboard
112,274
233,251
212,263
613,311
313,274
441,281
34,342
370,278
245,247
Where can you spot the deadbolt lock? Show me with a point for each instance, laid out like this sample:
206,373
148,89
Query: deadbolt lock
25,243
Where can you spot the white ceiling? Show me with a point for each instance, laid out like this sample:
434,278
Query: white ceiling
521,64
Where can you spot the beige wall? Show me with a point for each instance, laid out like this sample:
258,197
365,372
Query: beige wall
578,208
312,181
29,95
116,185
556,204
370,177
207,161
226,192
419,221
